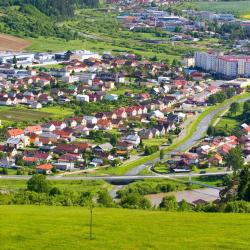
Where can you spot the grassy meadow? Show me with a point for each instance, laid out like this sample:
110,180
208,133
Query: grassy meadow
40,227
239,8
229,122
78,186
9,115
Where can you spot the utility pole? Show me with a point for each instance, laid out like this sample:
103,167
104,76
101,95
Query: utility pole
90,224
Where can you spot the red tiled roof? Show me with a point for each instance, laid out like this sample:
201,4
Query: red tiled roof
45,167
15,132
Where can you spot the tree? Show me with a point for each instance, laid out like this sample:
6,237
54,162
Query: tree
2,155
244,184
161,154
184,206
234,159
211,130
54,170
4,171
105,199
234,108
113,140
14,60
135,200
115,163
54,191
169,203
38,183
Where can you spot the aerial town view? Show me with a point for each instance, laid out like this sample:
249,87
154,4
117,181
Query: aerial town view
124,124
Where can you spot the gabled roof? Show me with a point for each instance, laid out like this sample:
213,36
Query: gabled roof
45,167
15,132
33,129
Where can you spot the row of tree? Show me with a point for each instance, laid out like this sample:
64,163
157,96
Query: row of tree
221,96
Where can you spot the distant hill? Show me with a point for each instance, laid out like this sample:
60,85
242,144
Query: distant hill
33,18
58,8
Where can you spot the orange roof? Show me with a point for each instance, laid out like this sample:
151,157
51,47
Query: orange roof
121,152
45,167
30,159
15,132
104,122
218,157
33,129
247,129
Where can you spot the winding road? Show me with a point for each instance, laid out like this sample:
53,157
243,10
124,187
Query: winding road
194,139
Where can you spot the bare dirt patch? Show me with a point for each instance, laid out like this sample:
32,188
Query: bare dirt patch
12,43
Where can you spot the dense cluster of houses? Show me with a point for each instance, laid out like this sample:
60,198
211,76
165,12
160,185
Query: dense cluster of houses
211,152
163,101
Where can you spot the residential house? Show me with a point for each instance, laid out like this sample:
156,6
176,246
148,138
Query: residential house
59,125
44,169
104,124
48,127
64,166
133,139
36,129
146,134
35,105
106,147
124,146
18,142
15,132
111,97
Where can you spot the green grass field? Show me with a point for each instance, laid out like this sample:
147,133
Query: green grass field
40,227
79,186
19,114
237,7
229,122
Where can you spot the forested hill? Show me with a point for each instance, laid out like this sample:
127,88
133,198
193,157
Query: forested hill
34,18
57,8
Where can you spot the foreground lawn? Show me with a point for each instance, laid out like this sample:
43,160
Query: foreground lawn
39,227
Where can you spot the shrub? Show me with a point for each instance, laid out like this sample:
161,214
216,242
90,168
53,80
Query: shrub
169,203
237,207
38,183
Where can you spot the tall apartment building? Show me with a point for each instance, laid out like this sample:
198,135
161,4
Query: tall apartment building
226,66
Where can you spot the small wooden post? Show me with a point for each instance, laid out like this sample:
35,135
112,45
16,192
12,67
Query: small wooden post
90,224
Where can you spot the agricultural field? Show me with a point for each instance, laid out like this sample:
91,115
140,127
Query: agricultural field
239,8
9,115
13,43
40,227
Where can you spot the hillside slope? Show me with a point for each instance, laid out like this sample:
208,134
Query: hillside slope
12,43
38,227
